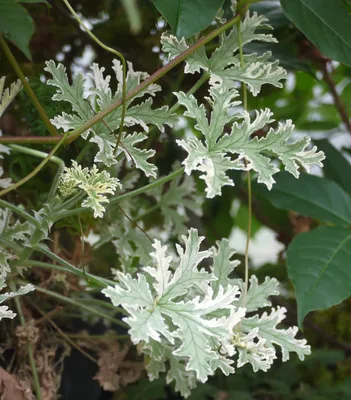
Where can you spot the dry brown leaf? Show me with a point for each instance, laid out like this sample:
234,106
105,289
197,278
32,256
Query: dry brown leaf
27,334
110,359
10,387
300,223
45,361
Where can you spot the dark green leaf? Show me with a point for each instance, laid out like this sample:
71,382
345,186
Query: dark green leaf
34,1
187,17
318,265
311,196
16,25
336,167
325,357
347,5
325,23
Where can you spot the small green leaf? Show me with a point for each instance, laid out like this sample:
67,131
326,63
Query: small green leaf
16,25
312,196
318,265
325,24
188,17
335,167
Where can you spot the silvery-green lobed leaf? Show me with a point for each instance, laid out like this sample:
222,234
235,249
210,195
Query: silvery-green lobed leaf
214,157
258,294
4,311
224,64
194,336
4,182
96,184
266,326
86,101
5,269
253,350
223,265
152,307
7,95
11,230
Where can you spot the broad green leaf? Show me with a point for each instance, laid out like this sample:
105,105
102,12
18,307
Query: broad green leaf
311,196
325,24
187,17
318,265
336,167
16,25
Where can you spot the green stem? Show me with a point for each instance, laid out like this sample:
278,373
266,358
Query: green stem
97,337
67,204
37,169
124,65
52,130
19,211
11,245
204,78
69,268
249,202
29,345
128,195
41,154
76,303
29,139
147,212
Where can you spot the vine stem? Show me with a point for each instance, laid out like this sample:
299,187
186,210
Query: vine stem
249,205
143,85
69,268
33,366
19,211
124,67
41,154
37,169
52,130
75,303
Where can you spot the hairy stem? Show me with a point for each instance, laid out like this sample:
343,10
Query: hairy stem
29,345
52,130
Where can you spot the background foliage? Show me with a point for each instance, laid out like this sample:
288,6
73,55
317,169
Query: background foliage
307,219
